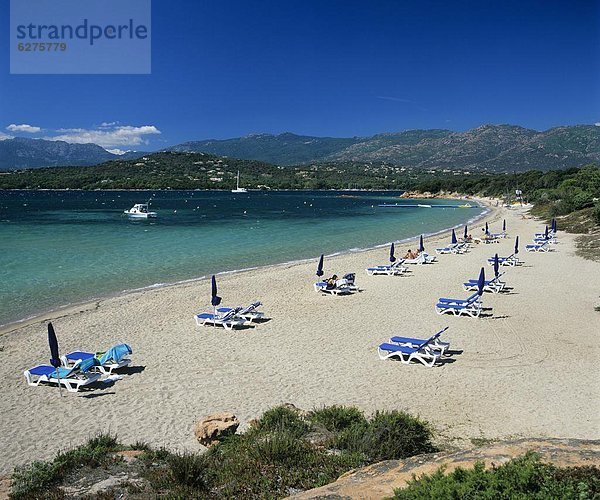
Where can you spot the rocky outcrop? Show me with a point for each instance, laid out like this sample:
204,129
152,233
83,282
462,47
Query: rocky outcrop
379,480
211,429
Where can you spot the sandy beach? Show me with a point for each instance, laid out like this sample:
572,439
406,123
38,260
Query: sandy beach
530,369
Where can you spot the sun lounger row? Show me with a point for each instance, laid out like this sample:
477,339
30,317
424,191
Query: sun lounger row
80,368
231,317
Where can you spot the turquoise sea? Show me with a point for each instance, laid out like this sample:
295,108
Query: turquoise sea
64,247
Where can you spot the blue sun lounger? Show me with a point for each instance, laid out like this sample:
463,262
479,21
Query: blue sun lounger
433,342
510,261
405,354
114,358
470,306
395,269
72,379
455,248
341,287
468,300
248,313
228,320
422,258
538,247
494,285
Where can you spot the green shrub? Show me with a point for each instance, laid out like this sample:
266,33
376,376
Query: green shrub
281,418
38,477
596,213
337,418
387,436
524,477
188,469
281,447
276,457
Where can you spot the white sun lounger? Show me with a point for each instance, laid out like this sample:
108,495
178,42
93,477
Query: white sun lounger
434,343
538,247
406,354
395,269
550,239
455,248
248,313
422,258
341,288
114,358
470,306
494,285
510,261
227,320
72,379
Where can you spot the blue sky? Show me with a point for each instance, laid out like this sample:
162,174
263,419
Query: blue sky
338,68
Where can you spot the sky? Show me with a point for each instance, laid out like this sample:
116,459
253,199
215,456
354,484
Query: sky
344,68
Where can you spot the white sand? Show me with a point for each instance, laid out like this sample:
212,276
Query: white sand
531,369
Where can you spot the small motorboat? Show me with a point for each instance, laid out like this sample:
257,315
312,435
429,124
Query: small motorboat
466,205
140,211
423,206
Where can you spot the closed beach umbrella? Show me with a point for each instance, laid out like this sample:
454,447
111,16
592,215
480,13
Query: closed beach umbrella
554,225
481,282
392,256
54,356
454,240
421,246
466,233
516,245
496,266
504,225
215,299
320,267
487,230
546,232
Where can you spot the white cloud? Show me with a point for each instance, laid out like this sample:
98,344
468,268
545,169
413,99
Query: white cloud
107,135
108,124
116,151
30,129
3,136
597,124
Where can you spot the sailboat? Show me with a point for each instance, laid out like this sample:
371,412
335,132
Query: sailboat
238,189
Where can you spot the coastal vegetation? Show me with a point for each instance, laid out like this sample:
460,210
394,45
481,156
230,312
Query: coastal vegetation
285,451
523,477
566,190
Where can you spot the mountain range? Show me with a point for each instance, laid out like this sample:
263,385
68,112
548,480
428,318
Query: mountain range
488,148
22,152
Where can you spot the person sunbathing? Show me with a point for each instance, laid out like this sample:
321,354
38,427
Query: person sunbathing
410,254
331,282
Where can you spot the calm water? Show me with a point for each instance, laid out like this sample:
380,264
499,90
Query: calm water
58,248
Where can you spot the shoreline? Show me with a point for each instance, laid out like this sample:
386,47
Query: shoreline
88,304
